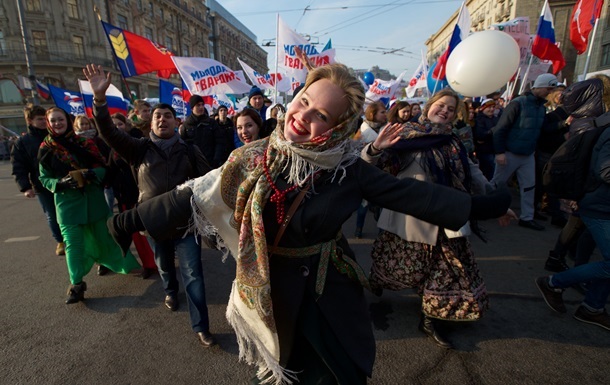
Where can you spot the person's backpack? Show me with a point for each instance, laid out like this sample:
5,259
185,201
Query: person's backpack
567,174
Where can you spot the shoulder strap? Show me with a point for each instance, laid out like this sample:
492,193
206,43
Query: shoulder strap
293,208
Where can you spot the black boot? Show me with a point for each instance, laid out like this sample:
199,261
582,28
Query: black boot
76,293
555,263
427,326
122,226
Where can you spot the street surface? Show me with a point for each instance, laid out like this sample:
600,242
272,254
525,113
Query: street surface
122,333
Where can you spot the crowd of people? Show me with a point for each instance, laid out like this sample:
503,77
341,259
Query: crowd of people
258,185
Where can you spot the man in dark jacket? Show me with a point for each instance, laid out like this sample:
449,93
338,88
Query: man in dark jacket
24,158
201,130
160,163
594,210
515,137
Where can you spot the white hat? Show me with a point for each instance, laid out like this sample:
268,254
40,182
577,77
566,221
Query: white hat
546,80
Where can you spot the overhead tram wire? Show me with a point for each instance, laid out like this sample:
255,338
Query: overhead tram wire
341,8
365,16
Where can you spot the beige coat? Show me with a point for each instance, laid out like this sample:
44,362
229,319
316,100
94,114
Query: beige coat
410,228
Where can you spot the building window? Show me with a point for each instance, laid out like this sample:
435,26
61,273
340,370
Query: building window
605,55
33,5
148,33
72,9
151,10
9,93
126,2
171,20
123,22
185,51
2,44
161,14
39,41
169,43
79,47
139,5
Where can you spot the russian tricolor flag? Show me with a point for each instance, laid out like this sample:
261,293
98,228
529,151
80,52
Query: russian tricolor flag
43,91
460,32
544,46
114,98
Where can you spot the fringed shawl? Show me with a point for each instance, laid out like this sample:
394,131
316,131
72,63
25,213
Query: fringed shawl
229,202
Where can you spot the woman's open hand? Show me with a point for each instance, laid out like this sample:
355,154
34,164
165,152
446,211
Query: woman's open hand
388,136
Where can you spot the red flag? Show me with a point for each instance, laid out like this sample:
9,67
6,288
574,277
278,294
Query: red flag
584,14
136,55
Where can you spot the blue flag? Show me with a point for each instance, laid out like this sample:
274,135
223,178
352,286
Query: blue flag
69,101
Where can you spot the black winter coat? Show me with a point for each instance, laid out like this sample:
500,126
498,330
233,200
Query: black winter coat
203,132
156,172
483,136
24,158
584,101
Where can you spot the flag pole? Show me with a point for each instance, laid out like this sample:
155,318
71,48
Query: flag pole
584,73
116,60
527,71
277,35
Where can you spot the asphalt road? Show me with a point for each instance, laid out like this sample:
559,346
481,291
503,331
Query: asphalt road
122,334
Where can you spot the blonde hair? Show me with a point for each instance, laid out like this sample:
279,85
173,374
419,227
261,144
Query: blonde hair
78,119
440,94
606,92
340,76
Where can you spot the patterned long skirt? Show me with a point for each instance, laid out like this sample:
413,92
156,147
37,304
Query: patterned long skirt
446,275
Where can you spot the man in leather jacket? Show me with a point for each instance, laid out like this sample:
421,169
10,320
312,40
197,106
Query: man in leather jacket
161,162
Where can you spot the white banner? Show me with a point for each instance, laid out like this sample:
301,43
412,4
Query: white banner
383,88
287,58
266,81
204,76
223,100
418,80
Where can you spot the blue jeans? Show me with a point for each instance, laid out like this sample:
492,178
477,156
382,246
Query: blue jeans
188,252
597,273
48,206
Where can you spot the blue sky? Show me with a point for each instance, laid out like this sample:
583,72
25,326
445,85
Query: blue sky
362,27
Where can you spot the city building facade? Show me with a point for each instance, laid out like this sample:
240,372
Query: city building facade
64,35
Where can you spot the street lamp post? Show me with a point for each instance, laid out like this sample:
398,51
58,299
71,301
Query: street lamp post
26,47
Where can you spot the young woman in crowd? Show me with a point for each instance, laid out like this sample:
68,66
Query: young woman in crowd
415,112
248,125
72,168
411,252
297,303
400,112
226,133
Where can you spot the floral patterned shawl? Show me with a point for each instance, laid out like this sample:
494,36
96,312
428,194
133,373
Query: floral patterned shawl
232,200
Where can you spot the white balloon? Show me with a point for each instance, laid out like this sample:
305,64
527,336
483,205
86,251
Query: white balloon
482,63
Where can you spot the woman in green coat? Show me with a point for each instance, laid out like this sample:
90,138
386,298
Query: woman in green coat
72,168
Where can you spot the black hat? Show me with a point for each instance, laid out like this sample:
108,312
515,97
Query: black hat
194,100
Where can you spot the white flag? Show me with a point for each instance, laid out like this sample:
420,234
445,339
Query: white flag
287,59
266,81
204,76
383,89
418,80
